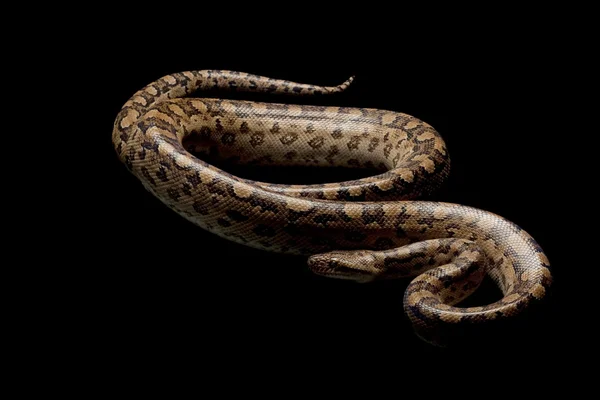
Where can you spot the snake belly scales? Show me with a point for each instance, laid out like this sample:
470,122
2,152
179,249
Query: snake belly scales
364,229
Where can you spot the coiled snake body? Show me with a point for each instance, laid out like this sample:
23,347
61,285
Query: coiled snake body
364,229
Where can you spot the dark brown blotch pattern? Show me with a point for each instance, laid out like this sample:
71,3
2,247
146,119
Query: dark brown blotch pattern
216,205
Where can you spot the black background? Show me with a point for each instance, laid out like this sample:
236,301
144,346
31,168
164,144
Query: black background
160,291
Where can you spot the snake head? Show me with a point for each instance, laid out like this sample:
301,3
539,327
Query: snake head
357,265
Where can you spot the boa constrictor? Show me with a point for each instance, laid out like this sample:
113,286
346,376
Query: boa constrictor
364,229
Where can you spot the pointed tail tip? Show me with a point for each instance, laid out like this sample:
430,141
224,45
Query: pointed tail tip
342,86
347,83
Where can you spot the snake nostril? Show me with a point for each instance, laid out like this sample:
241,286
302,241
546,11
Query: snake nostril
319,263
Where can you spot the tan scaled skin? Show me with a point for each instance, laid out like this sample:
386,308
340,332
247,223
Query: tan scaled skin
363,229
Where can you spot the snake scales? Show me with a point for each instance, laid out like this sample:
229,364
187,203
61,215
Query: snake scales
363,229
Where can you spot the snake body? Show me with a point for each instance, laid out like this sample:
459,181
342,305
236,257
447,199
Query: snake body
364,229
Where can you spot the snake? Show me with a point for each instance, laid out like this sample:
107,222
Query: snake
367,229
